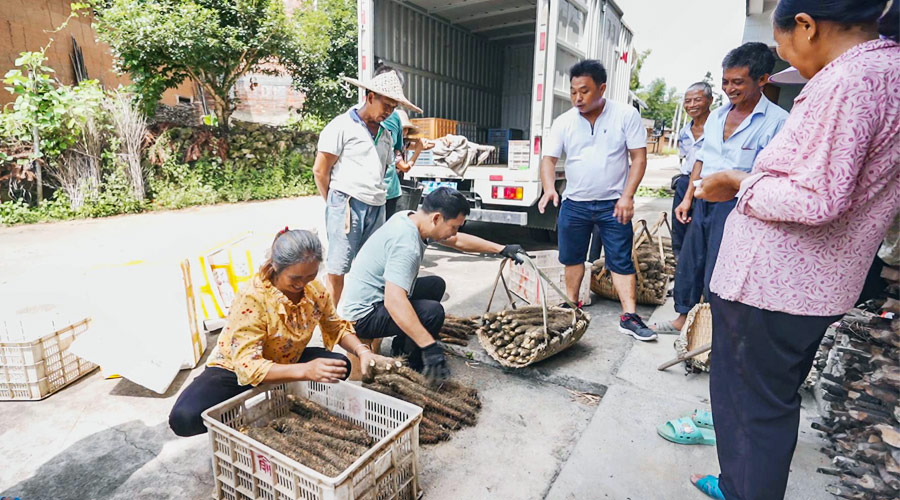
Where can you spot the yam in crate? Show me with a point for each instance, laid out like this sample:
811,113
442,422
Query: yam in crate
519,155
433,128
544,330
246,469
649,262
525,283
35,360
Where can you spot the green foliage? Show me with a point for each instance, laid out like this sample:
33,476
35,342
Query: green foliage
647,192
329,35
661,102
636,70
162,43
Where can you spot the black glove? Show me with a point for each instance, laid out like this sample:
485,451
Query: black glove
435,364
512,252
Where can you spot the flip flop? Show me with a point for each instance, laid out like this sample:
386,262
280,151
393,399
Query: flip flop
685,431
703,418
665,328
710,486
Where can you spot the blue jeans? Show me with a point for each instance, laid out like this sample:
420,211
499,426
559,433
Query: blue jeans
345,238
575,225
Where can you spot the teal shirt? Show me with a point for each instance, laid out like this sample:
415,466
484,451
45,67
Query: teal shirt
391,179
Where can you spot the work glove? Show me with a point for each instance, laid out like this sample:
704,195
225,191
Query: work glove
435,364
512,252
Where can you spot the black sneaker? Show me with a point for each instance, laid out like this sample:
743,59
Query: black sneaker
633,325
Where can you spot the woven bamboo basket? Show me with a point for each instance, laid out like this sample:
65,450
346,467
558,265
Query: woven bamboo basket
555,345
601,281
697,331
667,251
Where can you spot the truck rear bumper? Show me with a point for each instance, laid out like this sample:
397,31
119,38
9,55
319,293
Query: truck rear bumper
499,216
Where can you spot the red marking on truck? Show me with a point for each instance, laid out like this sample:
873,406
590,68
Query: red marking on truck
540,92
496,178
537,144
543,40
364,63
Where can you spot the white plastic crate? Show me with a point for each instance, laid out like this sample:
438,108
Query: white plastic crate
34,363
519,155
525,282
246,469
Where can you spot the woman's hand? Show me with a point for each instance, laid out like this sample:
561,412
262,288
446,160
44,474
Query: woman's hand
721,186
402,166
327,370
367,357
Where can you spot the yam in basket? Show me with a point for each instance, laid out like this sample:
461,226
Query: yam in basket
649,261
697,331
518,337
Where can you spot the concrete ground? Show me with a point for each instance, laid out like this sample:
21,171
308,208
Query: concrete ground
535,439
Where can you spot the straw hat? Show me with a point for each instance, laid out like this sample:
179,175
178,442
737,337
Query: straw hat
405,123
387,84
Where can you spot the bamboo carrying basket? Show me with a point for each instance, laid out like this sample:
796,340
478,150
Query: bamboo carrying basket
580,320
601,282
697,331
668,253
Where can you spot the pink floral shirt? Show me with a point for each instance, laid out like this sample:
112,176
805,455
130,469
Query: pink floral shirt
821,196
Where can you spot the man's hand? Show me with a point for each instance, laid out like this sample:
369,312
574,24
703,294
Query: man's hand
512,252
546,198
624,210
721,186
435,364
683,212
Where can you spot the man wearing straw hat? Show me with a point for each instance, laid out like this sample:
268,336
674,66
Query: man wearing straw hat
354,151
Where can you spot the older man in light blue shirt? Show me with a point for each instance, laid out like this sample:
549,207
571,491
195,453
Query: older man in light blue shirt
734,134
697,100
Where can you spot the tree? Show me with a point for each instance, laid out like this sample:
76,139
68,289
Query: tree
661,102
162,43
636,70
330,52
717,97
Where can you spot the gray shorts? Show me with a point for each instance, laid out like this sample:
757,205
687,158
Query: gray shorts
349,223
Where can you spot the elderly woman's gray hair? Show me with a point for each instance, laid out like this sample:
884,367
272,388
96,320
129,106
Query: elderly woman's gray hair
296,246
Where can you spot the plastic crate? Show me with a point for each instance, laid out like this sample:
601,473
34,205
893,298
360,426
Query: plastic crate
519,155
504,134
426,157
34,368
468,130
246,469
524,282
433,128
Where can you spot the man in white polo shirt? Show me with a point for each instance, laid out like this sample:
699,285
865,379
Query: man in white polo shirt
598,137
354,151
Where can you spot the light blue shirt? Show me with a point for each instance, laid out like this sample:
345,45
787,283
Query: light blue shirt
688,147
740,150
393,253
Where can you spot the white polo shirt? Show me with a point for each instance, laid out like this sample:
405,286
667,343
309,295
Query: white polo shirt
596,156
362,161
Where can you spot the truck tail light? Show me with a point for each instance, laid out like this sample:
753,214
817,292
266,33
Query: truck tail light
507,192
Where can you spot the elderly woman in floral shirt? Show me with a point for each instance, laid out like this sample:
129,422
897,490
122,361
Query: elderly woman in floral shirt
269,326
808,221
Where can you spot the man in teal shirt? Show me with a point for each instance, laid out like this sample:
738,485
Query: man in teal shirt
391,178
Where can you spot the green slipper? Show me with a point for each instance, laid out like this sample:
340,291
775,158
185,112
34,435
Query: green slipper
685,431
703,418
710,486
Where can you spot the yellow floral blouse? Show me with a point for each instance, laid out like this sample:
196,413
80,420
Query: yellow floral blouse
264,327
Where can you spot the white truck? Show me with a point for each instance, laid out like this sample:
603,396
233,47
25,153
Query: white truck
497,64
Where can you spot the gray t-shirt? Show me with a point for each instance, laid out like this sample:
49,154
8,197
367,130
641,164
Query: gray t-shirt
394,253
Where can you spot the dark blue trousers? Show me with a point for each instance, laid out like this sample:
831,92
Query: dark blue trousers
699,253
216,385
759,360
680,185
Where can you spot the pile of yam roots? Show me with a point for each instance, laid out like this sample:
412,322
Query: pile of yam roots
447,406
457,330
314,437
517,334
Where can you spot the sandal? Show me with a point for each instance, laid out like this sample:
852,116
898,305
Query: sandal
703,418
710,486
685,431
665,328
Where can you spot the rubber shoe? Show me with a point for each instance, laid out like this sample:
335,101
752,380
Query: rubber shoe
632,324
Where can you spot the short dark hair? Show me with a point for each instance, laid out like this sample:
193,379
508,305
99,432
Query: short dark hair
847,12
589,67
448,201
755,56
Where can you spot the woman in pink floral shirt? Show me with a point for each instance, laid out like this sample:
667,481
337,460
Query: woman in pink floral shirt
809,219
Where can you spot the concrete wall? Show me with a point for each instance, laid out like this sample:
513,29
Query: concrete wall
758,27
24,26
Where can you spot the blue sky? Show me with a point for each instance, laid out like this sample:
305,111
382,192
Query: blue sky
688,37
